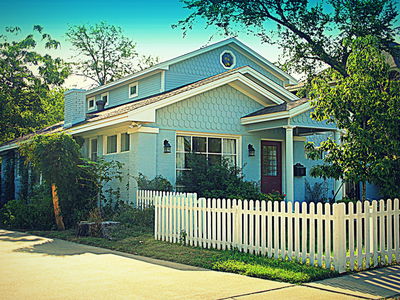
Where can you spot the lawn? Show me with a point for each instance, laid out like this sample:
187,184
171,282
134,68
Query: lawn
140,241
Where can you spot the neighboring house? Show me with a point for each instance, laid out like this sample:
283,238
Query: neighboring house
224,101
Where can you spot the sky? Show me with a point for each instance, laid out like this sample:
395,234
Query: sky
148,23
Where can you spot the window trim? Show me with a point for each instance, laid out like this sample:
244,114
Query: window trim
105,144
94,103
120,144
136,83
119,134
90,147
108,97
234,59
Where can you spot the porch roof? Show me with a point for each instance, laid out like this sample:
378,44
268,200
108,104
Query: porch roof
295,114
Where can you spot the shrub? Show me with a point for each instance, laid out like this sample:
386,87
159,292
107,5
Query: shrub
318,192
33,213
129,215
158,183
220,180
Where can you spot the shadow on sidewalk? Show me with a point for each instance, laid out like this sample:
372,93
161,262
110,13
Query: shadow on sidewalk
57,247
383,282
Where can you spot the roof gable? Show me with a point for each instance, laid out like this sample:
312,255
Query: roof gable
236,44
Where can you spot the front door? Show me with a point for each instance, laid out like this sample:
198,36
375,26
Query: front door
271,167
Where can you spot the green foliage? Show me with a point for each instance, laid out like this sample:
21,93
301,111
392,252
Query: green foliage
158,183
80,183
36,212
366,104
318,192
105,53
219,181
127,214
30,83
309,32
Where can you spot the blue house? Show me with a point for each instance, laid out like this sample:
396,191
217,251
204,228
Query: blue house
224,101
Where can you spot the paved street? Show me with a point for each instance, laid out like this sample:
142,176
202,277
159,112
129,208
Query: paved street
33,267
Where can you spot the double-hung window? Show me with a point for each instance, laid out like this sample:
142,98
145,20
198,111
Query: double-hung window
111,144
105,97
93,149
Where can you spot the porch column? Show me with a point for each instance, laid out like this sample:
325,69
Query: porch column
289,163
338,183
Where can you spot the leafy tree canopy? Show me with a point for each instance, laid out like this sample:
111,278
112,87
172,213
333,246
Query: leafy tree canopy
30,83
366,104
105,54
311,33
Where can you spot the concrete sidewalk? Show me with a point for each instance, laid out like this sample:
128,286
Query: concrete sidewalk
33,267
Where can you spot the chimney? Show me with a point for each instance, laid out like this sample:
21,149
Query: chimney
74,107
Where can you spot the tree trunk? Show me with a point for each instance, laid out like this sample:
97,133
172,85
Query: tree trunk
364,191
57,210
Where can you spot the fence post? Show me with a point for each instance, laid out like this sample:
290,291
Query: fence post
339,241
235,222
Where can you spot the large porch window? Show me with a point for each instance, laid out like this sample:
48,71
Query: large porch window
214,149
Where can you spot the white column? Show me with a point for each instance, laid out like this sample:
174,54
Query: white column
338,183
289,164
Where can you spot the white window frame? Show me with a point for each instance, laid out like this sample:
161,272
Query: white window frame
105,138
208,135
90,147
105,141
108,97
94,103
234,59
120,144
137,89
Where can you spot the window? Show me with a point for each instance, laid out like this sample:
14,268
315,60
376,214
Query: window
270,161
111,144
133,90
105,97
228,59
91,102
124,142
93,149
212,148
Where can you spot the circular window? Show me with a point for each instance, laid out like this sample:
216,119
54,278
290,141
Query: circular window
227,59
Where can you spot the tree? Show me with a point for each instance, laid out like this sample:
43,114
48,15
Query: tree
105,54
310,33
77,184
366,104
30,83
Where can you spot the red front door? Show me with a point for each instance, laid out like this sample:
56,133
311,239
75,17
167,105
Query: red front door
271,167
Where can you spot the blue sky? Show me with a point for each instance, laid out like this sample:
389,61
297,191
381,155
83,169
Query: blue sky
146,22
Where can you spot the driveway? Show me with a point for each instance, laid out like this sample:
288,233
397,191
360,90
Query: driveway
33,267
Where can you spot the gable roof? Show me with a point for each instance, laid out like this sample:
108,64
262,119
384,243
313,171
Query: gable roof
165,65
278,108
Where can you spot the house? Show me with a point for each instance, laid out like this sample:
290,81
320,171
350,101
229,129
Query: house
224,101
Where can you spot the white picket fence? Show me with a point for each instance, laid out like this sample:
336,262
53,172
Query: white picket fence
146,198
337,236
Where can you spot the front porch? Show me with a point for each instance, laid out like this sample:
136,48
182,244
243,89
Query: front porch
293,123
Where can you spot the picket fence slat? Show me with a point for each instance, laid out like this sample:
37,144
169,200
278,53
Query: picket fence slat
339,236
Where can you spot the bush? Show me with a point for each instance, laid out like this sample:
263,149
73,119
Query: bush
158,183
126,214
220,181
33,213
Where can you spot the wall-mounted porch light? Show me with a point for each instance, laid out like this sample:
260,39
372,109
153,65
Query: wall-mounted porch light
252,151
167,147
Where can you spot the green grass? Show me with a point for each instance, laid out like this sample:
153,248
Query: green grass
140,241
